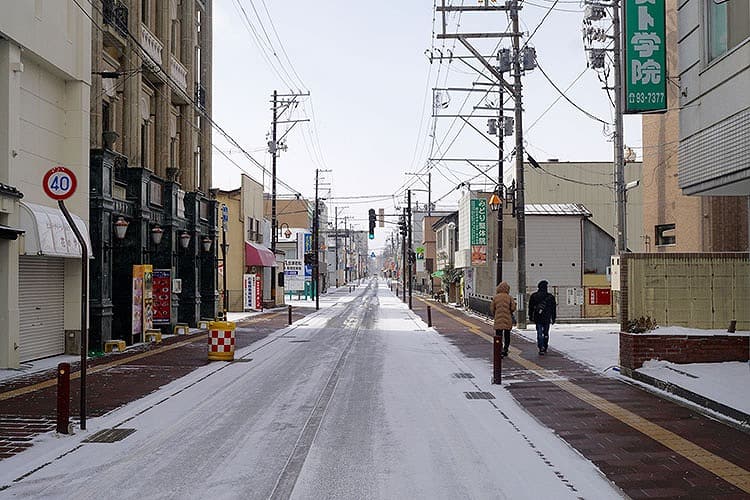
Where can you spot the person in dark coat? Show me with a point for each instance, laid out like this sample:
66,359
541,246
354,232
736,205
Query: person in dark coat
543,312
502,308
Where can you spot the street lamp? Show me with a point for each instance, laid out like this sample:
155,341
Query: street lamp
184,240
206,243
156,233
288,232
121,227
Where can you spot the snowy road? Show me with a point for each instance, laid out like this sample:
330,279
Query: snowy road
360,400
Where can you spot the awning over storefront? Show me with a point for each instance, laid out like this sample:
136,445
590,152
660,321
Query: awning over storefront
9,233
48,233
258,255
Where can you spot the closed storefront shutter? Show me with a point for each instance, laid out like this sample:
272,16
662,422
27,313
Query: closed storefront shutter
41,305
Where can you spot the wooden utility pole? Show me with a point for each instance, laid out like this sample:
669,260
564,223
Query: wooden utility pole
279,104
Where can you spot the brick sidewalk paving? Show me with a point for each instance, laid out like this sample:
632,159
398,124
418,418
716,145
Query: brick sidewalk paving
28,403
648,446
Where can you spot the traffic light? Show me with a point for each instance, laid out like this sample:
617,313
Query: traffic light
402,226
372,223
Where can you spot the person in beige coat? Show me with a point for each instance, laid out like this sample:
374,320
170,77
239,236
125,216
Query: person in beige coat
502,308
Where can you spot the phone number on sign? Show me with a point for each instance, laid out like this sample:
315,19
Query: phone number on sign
645,97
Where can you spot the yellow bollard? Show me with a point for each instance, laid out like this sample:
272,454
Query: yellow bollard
221,341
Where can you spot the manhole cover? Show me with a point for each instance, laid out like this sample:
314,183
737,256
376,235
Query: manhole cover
109,436
479,395
463,375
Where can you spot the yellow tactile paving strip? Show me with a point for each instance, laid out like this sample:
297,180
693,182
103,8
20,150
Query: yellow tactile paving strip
121,361
722,468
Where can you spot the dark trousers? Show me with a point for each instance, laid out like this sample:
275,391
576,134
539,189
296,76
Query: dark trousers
542,335
506,338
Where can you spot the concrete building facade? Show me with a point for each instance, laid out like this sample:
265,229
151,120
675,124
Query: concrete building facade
673,220
45,79
713,44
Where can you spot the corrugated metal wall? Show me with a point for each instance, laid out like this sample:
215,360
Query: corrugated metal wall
693,290
41,302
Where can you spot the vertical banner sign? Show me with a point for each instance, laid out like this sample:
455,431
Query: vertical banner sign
645,45
143,314
478,218
148,297
162,296
248,291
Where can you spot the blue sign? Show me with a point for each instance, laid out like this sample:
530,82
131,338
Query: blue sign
308,270
308,243
224,213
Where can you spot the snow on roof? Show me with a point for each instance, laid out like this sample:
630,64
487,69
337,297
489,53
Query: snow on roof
556,209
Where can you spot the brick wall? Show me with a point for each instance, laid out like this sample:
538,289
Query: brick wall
635,348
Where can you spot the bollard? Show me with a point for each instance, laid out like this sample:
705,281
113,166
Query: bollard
429,316
732,326
497,359
63,398
290,314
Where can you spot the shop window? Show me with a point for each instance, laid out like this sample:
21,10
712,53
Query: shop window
665,234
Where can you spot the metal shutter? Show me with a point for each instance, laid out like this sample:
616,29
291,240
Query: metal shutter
41,295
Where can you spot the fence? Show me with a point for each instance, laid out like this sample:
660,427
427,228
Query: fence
694,290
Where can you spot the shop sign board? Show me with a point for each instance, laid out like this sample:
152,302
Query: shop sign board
478,231
162,296
645,62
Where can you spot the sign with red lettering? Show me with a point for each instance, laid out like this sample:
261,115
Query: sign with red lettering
162,296
600,296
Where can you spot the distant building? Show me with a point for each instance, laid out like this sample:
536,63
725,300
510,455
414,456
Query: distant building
590,184
247,252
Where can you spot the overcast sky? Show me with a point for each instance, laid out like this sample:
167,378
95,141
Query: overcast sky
371,99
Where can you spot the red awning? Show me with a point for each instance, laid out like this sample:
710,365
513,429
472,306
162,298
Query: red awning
258,255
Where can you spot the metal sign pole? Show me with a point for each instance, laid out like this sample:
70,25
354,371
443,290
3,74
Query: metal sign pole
84,307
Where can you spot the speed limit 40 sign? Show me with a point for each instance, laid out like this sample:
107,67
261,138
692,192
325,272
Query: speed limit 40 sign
59,183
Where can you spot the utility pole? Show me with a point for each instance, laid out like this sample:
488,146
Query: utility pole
619,167
512,7
519,193
403,258
276,144
316,244
500,184
408,229
336,237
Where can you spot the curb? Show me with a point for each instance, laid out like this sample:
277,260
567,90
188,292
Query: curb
741,420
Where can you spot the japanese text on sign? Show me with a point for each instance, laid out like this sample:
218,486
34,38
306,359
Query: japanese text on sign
645,56
478,218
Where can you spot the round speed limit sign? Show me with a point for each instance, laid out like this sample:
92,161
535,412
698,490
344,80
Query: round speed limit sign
59,183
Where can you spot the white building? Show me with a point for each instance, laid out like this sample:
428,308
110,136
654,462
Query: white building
45,72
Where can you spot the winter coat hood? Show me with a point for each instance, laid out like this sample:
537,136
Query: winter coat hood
503,287
543,285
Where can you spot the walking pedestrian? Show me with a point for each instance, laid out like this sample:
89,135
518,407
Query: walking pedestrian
502,308
543,312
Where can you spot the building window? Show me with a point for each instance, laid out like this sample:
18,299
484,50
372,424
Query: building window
664,234
156,192
106,120
728,25
145,11
175,41
144,144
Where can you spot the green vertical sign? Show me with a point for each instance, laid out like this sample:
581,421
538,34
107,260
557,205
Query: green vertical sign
478,217
645,43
